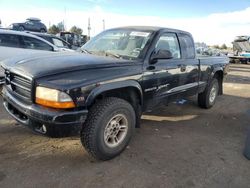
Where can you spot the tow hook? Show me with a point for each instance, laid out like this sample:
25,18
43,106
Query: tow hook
41,129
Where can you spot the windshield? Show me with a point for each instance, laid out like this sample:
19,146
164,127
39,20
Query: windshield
122,43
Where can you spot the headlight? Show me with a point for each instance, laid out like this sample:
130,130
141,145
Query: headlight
53,98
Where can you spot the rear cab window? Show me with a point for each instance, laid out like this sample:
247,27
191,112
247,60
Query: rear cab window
59,43
46,38
187,46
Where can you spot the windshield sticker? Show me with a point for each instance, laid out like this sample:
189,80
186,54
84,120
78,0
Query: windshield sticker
139,34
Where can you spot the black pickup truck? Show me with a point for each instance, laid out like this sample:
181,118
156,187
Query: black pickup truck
120,74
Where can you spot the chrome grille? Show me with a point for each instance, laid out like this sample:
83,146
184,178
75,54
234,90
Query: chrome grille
1,72
19,85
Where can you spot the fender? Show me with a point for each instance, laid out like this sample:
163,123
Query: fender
111,86
220,66
216,69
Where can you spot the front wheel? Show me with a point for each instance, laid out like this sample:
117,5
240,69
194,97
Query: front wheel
108,128
207,98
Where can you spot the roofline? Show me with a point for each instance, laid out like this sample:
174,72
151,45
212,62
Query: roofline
33,19
151,28
46,34
21,33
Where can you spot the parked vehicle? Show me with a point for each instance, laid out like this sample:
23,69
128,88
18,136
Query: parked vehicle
125,72
2,80
241,48
15,43
31,24
73,38
57,41
19,39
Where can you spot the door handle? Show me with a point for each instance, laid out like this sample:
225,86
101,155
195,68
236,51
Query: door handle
151,67
182,67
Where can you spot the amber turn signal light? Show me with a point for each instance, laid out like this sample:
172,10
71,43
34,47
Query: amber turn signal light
53,104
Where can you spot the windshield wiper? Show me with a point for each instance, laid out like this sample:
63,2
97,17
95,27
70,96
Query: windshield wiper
112,55
105,53
85,51
101,53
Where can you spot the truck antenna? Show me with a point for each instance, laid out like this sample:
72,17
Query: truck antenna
89,28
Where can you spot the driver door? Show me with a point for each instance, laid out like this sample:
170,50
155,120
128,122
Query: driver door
162,79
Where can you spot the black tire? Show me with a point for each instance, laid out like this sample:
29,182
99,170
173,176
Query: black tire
21,28
204,97
99,118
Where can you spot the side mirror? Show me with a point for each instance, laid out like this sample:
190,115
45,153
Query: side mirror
160,54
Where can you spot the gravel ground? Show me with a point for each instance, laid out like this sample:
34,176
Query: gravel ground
177,146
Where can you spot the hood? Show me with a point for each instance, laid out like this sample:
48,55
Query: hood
44,64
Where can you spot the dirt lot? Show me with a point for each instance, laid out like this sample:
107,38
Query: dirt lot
177,146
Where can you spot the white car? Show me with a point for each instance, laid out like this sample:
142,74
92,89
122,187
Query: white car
17,39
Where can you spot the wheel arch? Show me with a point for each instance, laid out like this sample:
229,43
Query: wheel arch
129,90
219,75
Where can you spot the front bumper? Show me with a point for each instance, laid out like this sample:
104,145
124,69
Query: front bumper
25,114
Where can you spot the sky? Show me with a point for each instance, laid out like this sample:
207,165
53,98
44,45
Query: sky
211,21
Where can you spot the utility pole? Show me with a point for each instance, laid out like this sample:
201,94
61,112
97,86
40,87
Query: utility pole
89,28
103,24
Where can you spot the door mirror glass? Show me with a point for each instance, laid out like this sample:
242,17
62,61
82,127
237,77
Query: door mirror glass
160,54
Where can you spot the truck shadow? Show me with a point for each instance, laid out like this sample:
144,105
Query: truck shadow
239,66
174,112
237,79
239,70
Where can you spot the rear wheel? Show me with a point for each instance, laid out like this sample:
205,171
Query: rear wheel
207,98
108,128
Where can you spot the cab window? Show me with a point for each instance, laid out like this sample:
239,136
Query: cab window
169,41
59,43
